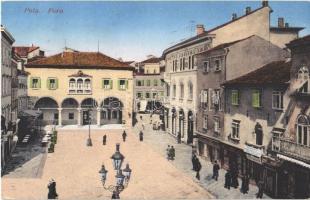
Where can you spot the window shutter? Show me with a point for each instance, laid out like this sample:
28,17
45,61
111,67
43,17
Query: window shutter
255,99
48,84
126,82
119,84
111,84
39,83
56,83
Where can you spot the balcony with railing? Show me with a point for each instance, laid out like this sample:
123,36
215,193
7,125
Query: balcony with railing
290,148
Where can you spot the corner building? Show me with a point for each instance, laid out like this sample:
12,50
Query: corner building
72,86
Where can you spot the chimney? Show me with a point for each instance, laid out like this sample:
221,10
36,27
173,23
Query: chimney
281,22
247,10
233,16
200,29
264,3
286,25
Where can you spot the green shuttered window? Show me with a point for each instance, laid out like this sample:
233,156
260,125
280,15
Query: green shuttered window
52,83
122,84
35,82
256,98
235,97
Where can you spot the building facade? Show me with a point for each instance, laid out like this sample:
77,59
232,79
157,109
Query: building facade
80,88
149,85
216,66
291,146
9,119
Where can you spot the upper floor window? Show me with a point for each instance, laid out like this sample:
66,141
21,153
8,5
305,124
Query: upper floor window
303,130
277,100
139,95
216,125
218,65
174,91
79,84
87,84
303,75
122,84
72,84
181,90
216,100
147,95
154,95
189,62
193,62
107,84
235,97
204,98
35,82
235,126
256,98
190,91
205,122
52,83
155,82
206,67
148,82
181,64
140,83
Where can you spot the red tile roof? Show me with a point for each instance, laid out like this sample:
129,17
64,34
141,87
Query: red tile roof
152,60
23,51
277,72
299,41
79,60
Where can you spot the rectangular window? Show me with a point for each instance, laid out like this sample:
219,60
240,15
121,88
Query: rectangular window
148,82
71,116
107,84
235,97
216,100
235,125
204,98
147,95
277,100
217,64
155,82
154,95
256,98
35,83
181,91
205,122
52,83
122,84
139,95
216,125
56,116
206,67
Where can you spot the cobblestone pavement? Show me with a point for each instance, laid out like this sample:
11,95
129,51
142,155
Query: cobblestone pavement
74,167
159,141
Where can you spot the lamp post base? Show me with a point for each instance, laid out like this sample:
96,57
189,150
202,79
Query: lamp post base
89,142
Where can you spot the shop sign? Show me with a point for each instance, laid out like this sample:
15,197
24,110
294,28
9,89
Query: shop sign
253,151
254,159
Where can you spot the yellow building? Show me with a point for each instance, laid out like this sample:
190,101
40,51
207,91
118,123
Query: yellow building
72,86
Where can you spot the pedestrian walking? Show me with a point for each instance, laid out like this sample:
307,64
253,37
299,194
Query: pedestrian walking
245,184
179,138
172,150
260,192
194,158
151,121
141,136
104,140
52,194
198,168
216,169
141,117
227,179
124,135
168,152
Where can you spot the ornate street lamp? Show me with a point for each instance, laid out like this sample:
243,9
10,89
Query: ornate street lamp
122,176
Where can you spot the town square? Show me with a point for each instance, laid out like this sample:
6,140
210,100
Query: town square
155,100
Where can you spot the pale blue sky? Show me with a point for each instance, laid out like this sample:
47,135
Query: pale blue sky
130,30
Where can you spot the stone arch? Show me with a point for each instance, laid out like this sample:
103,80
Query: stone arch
111,111
69,114
46,102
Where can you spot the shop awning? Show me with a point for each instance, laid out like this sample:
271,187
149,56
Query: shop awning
294,161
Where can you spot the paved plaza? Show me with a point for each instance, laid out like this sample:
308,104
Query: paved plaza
74,167
159,140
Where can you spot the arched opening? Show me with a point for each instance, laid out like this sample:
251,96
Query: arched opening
173,121
190,127
69,114
303,133
49,108
111,111
89,111
181,122
87,85
259,134
79,85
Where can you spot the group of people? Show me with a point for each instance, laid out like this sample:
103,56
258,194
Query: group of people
170,152
196,165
